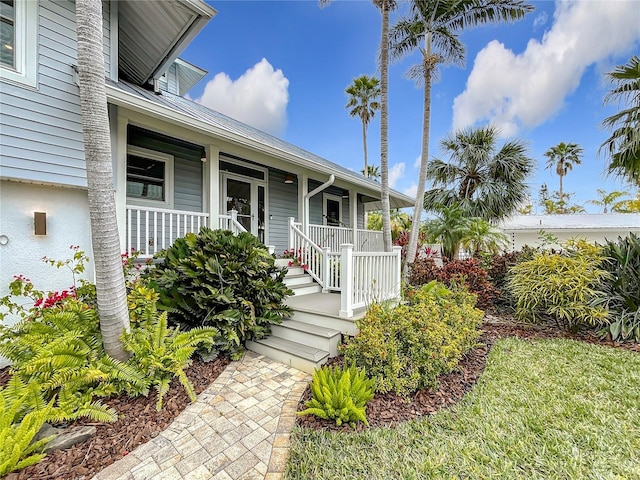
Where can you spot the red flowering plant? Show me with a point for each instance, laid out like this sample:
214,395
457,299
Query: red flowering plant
295,257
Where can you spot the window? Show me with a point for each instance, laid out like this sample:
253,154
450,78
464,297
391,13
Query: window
332,210
18,40
150,176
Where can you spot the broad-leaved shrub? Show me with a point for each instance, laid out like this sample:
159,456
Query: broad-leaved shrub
406,348
226,281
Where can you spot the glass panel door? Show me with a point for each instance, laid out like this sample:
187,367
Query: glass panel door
239,199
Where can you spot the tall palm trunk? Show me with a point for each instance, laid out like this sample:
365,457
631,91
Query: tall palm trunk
110,285
429,66
561,174
364,146
384,126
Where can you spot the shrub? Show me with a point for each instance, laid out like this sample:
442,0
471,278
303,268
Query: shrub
622,290
340,394
222,280
407,347
562,285
456,272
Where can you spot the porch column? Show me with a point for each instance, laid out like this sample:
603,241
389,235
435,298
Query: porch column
353,217
212,185
303,202
346,281
120,178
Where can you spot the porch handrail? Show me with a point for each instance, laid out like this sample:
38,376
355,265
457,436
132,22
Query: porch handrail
151,229
314,259
330,236
369,240
230,222
368,277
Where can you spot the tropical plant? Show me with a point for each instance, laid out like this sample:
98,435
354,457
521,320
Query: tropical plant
340,394
608,200
479,179
363,103
405,348
562,158
230,282
555,204
482,238
161,353
110,284
436,25
565,286
373,172
449,228
400,222
623,146
628,206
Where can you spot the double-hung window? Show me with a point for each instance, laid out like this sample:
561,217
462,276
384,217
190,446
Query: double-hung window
18,40
150,177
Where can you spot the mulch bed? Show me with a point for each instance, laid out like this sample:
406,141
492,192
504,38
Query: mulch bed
139,422
389,409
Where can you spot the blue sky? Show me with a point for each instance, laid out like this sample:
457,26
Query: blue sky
283,66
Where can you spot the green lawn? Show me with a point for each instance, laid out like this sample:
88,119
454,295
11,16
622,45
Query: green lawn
553,409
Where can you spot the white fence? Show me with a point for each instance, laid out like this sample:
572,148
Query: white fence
326,236
150,230
313,258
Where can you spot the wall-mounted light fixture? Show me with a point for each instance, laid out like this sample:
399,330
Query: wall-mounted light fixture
203,156
288,178
40,223
345,194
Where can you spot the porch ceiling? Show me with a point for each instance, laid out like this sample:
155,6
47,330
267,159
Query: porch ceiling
179,110
151,35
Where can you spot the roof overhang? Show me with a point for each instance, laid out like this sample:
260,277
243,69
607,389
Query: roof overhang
120,97
151,35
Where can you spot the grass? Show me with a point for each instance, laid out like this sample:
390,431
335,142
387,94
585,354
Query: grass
551,409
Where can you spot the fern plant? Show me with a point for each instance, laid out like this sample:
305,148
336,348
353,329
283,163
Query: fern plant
17,428
340,395
161,353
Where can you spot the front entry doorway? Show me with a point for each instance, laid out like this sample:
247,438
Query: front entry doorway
246,196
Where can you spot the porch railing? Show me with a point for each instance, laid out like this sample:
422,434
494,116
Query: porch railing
150,230
313,258
327,236
230,222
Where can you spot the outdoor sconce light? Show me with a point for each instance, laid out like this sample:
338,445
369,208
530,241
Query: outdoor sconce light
40,223
203,156
288,178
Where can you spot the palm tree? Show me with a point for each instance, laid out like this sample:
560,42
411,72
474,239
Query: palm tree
449,228
484,181
363,102
623,146
482,237
385,7
562,157
438,23
373,172
110,286
607,199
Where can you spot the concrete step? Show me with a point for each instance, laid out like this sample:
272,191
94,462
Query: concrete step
282,262
300,279
306,288
295,271
323,338
290,353
345,325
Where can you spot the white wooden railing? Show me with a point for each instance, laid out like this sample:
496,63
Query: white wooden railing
313,258
369,241
369,277
150,230
230,222
332,237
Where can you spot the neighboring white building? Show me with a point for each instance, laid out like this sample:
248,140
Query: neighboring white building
525,229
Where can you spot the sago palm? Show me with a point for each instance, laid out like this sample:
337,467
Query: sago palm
485,181
623,146
363,103
433,28
562,158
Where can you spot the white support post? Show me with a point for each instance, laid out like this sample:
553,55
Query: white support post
234,219
398,273
326,270
346,280
212,185
120,170
303,201
292,244
353,218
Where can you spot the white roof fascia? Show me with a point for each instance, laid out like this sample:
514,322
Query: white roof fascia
118,97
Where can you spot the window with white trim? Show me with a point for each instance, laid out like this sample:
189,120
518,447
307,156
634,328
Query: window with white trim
18,41
149,177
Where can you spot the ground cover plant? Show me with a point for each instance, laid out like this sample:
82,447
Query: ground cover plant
544,409
226,281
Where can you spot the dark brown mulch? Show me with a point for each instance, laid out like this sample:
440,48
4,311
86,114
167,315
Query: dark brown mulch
389,409
139,422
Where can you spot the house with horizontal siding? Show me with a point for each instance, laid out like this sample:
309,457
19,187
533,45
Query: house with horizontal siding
177,165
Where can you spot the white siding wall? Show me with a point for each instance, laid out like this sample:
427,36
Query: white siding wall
517,239
283,203
41,129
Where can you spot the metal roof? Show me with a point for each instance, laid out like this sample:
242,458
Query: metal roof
217,124
578,221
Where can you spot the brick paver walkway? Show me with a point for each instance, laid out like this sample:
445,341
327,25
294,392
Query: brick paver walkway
237,429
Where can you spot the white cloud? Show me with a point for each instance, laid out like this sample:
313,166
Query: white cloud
540,20
395,173
411,190
417,163
259,97
516,90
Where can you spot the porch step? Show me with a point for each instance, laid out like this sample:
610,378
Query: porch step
290,353
306,288
323,338
296,279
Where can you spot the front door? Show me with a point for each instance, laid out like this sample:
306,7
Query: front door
247,197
